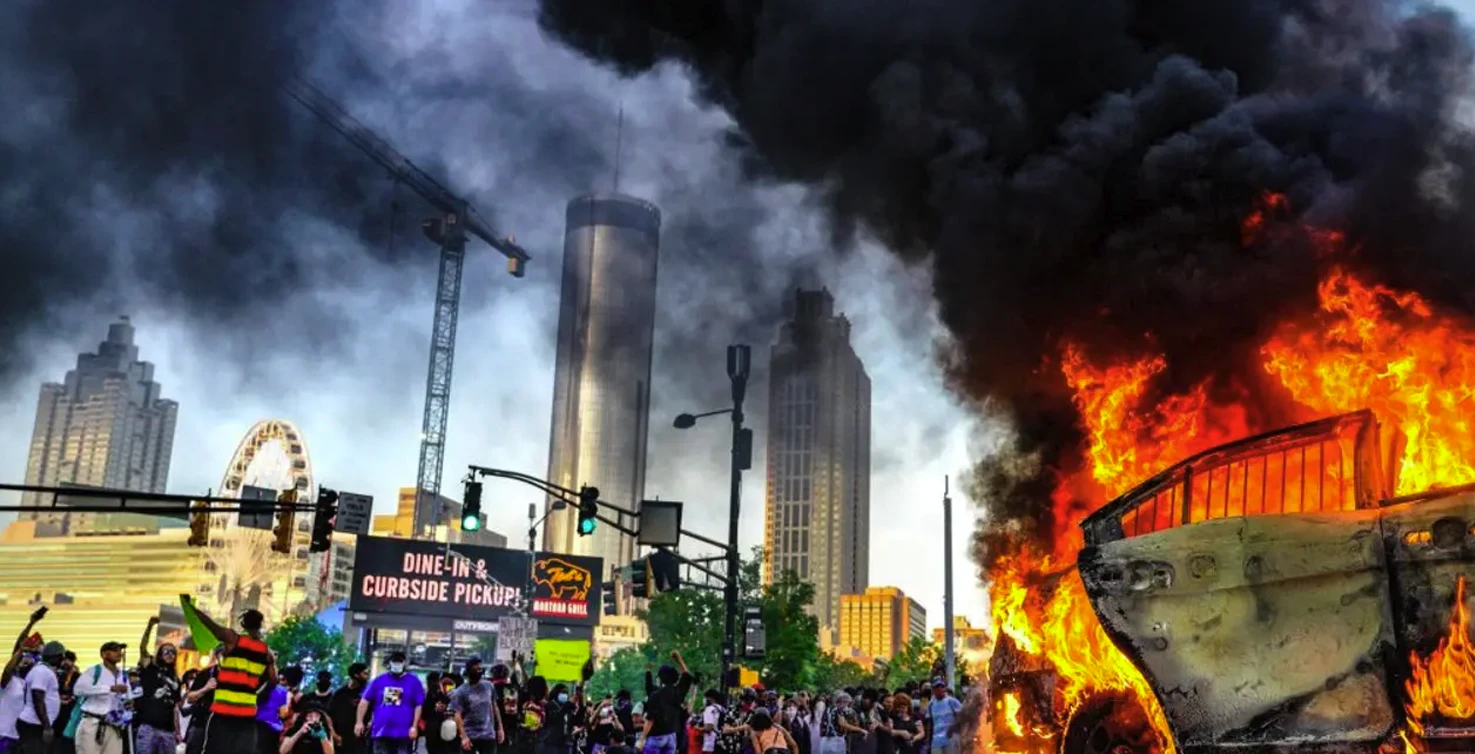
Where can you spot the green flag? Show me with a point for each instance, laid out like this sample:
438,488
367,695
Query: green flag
203,639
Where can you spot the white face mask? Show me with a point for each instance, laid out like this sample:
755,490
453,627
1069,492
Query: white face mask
396,667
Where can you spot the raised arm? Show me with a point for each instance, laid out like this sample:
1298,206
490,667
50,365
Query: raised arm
24,632
143,641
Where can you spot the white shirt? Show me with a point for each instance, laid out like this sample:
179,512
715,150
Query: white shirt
97,698
41,678
712,716
11,702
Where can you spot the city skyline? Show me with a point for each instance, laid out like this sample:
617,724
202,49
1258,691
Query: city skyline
336,336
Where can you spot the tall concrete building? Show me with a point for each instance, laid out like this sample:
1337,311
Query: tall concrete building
601,383
881,621
818,508
105,425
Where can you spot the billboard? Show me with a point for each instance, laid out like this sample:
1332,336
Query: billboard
418,578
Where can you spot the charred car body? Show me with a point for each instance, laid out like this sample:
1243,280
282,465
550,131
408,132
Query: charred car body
1270,591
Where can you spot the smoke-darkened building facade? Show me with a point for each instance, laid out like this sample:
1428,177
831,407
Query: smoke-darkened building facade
601,383
105,425
819,456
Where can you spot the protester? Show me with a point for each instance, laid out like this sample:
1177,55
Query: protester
711,720
768,738
906,731
941,712
60,744
478,720
102,719
663,706
197,702
437,726
157,709
396,699
274,709
42,701
343,710
309,734
320,698
246,667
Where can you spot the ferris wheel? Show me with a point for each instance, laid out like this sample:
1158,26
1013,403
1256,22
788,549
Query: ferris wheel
257,462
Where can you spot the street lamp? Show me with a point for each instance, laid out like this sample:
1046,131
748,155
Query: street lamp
738,362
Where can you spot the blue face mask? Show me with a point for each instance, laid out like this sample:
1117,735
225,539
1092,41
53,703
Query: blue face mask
563,698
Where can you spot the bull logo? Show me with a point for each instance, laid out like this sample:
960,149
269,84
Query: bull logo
562,579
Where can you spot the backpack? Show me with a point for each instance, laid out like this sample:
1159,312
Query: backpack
76,719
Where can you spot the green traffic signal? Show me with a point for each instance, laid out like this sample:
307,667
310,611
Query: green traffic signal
470,522
586,526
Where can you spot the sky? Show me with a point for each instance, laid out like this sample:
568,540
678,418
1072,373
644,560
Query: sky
344,355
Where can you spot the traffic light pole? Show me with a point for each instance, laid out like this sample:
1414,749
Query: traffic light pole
737,372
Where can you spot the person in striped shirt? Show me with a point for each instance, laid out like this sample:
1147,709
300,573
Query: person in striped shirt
246,667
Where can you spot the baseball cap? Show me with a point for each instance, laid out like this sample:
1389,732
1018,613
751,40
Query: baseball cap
53,649
113,646
938,683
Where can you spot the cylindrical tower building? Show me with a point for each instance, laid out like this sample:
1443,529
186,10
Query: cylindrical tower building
601,383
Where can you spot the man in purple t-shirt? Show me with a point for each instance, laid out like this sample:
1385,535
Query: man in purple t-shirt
396,698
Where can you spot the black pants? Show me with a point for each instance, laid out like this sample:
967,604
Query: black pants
31,741
230,735
484,745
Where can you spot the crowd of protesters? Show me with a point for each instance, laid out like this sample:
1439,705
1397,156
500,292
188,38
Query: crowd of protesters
241,703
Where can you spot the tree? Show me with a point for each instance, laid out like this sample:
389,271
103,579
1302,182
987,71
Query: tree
832,673
914,662
690,621
791,633
625,669
306,642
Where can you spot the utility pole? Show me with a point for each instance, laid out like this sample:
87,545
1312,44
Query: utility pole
949,650
738,359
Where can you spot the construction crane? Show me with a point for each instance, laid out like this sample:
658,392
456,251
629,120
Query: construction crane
450,229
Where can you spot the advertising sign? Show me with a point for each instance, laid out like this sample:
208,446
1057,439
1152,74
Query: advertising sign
417,578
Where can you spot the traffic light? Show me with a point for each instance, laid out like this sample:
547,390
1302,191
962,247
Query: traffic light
323,521
471,506
588,510
285,518
199,524
610,597
665,571
640,578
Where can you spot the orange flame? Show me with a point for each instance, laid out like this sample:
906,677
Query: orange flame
1443,684
1368,346
1372,347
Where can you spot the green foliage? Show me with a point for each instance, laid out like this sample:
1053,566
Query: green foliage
792,633
832,673
303,641
914,662
690,621
625,669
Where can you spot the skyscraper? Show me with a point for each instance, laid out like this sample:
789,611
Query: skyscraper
601,382
105,425
881,621
818,507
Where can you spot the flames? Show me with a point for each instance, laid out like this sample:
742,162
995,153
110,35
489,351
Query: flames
1442,685
1367,346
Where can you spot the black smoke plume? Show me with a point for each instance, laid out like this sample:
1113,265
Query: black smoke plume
1080,168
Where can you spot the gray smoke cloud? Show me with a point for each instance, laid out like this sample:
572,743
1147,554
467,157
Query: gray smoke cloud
1080,169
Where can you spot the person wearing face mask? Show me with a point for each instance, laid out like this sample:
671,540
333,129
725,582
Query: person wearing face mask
158,725
319,697
554,737
478,721
343,710
396,698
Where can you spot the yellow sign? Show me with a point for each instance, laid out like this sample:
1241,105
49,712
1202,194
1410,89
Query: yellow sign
747,678
561,659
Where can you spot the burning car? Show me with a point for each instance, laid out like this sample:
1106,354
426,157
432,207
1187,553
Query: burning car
1275,594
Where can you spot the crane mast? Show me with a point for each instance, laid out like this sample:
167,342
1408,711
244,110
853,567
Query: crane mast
456,220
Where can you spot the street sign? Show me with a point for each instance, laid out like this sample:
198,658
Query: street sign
516,635
354,513
755,641
660,523
257,508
